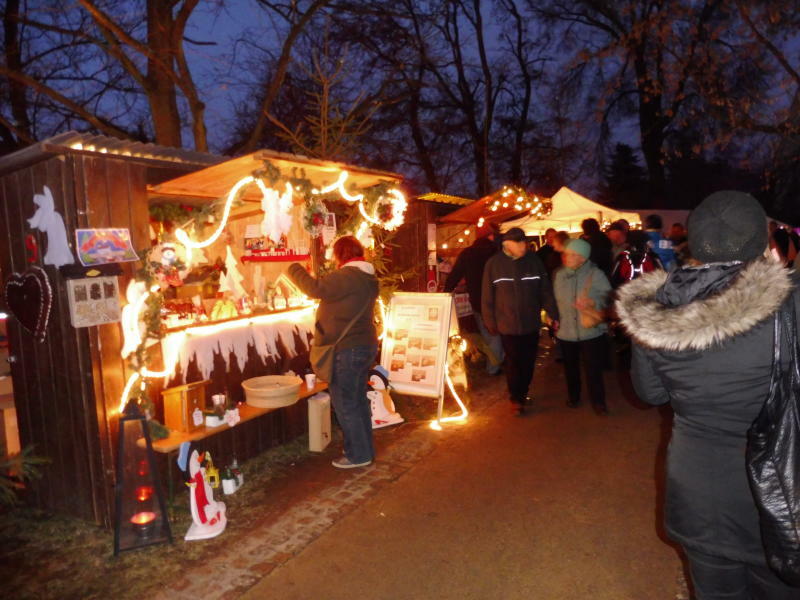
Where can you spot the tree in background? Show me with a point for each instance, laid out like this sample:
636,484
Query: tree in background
625,184
459,96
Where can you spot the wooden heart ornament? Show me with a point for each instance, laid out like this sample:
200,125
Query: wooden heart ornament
29,297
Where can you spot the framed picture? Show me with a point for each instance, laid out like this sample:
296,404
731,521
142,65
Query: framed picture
93,301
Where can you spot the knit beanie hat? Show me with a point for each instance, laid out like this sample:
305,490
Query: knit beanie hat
727,226
578,246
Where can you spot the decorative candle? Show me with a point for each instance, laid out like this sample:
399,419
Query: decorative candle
144,523
144,493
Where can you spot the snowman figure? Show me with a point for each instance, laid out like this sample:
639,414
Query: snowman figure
208,515
380,401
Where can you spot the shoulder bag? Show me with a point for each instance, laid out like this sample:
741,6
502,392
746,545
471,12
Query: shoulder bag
773,455
322,356
590,317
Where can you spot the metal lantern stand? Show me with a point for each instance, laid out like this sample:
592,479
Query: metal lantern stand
141,517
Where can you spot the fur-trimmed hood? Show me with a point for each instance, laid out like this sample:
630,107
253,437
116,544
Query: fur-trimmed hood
754,294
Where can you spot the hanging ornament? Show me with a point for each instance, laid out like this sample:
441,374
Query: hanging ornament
277,213
29,297
314,212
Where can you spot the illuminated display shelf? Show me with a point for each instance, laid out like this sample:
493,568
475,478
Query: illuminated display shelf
275,257
255,313
246,413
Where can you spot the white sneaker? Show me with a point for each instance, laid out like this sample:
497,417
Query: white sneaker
344,463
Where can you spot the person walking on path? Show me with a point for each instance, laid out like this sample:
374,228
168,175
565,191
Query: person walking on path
550,257
703,341
347,295
580,287
469,266
660,244
600,244
515,289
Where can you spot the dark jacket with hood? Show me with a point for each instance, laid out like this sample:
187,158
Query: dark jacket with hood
514,293
469,266
343,294
703,339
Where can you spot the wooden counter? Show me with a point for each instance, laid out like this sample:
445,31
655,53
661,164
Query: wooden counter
246,412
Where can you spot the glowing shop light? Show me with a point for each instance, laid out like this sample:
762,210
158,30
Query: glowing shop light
466,232
384,318
183,238
436,424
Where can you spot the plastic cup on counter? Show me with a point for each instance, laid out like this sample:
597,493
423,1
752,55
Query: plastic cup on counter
311,380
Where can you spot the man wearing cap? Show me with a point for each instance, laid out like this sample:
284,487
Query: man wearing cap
515,289
581,286
703,341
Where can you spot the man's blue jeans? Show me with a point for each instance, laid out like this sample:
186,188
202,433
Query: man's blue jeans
350,403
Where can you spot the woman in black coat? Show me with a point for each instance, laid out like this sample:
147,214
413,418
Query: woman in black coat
703,339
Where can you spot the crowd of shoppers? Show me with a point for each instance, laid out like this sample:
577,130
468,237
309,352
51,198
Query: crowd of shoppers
699,307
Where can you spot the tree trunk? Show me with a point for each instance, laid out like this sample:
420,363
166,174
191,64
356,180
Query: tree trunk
16,90
651,129
423,152
160,83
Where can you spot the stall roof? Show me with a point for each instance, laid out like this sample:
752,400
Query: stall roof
480,208
74,141
445,199
215,181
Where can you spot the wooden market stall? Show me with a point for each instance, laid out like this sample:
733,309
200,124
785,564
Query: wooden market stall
70,382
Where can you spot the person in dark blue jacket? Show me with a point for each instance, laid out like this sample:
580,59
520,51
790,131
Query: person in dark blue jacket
515,289
661,245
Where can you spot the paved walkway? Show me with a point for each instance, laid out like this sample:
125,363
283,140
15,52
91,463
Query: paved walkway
557,504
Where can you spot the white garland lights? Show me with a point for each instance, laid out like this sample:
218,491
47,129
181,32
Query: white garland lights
397,201
272,201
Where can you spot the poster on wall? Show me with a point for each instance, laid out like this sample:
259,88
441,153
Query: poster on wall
93,301
103,246
414,350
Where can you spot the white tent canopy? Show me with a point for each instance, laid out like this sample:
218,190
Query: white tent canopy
569,209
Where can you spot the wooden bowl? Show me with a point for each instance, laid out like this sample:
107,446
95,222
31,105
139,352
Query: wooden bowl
272,391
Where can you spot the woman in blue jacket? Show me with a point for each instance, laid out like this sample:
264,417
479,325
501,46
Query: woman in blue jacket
581,286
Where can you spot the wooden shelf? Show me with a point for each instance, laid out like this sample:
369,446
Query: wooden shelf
275,258
246,412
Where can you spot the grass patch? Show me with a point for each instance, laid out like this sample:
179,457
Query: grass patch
46,556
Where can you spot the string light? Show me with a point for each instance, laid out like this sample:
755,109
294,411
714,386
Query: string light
436,423
184,239
338,185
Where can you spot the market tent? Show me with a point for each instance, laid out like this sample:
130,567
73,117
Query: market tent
569,209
